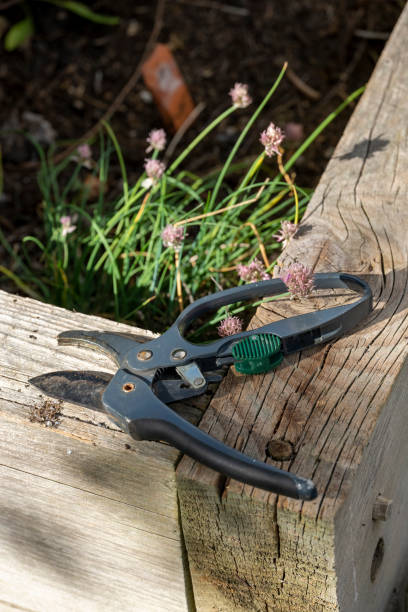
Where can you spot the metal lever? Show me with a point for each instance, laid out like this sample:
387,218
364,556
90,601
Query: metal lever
192,375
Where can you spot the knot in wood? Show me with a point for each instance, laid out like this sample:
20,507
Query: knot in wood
280,450
377,559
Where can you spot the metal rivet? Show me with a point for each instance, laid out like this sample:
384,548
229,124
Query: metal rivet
128,387
178,354
144,355
198,382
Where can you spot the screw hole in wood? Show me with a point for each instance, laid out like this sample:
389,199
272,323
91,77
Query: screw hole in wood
377,559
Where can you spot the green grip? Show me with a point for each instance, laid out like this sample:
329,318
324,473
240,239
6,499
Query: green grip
257,354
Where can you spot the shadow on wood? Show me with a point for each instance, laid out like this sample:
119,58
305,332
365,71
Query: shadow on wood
88,518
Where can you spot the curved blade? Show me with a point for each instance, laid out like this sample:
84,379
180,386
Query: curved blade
82,388
115,345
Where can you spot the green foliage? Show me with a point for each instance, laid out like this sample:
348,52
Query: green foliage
18,34
83,11
113,261
22,31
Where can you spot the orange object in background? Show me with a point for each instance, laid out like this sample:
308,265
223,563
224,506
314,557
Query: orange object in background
163,78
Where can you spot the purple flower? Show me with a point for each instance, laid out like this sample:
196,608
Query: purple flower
156,140
298,279
253,272
240,96
294,131
83,155
154,170
271,138
84,151
67,224
287,231
173,236
230,326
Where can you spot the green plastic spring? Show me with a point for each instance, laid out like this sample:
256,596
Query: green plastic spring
257,354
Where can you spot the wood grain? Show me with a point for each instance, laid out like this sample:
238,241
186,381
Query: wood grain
342,406
88,517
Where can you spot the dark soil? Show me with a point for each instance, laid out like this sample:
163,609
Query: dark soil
73,69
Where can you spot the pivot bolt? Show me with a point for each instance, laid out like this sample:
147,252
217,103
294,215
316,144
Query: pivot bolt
198,382
178,354
144,355
127,387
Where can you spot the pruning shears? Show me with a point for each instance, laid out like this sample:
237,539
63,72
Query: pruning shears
170,368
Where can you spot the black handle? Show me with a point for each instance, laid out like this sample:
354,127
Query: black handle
296,333
224,459
214,301
131,403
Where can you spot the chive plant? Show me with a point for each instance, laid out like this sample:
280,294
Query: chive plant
168,239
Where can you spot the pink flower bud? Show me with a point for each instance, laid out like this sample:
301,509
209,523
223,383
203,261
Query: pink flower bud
84,151
287,231
230,326
154,170
173,236
294,131
156,140
271,138
253,272
67,224
240,96
298,279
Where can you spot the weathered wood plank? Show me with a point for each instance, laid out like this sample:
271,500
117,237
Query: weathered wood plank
342,407
88,517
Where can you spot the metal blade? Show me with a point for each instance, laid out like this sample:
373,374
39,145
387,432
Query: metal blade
85,388
82,388
115,345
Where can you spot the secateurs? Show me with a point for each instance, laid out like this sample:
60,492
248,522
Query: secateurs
170,368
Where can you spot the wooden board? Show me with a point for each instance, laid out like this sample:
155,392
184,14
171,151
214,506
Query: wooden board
341,407
88,517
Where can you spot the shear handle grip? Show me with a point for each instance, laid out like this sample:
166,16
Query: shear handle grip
229,296
224,459
132,404
268,288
